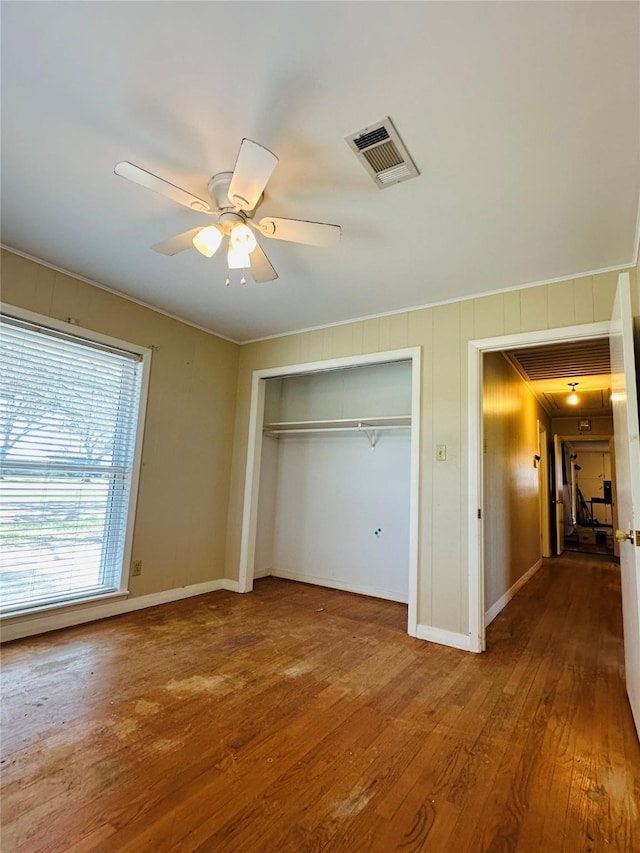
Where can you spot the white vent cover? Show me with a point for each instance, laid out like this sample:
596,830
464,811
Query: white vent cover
382,153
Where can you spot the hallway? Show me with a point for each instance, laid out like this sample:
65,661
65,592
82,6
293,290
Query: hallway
300,718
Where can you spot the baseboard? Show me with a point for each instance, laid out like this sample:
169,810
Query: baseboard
444,638
374,592
502,602
262,573
13,628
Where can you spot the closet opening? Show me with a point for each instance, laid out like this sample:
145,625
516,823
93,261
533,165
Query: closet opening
331,492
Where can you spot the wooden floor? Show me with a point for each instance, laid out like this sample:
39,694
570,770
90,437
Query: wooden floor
305,719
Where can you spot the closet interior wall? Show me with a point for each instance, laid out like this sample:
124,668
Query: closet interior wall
334,494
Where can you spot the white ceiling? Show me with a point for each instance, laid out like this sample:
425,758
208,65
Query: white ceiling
523,119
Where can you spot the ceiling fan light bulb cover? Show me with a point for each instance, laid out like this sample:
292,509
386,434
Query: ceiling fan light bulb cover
207,241
243,239
237,258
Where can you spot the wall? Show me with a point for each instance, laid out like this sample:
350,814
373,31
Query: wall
601,426
181,517
359,392
443,333
333,493
267,499
512,536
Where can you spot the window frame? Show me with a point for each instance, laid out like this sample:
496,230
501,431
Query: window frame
91,336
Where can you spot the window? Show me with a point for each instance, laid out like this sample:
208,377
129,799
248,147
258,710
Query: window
69,424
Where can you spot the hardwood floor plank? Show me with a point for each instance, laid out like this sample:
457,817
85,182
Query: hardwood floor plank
304,719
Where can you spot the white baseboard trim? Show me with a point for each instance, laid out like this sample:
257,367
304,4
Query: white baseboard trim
13,628
502,602
262,573
444,638
374,592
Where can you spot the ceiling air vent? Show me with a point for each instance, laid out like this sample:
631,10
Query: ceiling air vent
382,153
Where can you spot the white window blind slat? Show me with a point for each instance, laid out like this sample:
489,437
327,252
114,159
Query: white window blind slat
69,411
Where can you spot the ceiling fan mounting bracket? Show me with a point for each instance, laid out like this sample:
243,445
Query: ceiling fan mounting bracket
218,189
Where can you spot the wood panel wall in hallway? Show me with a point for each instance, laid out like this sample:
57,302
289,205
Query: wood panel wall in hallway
300,718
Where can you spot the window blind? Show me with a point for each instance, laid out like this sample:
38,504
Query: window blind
69,409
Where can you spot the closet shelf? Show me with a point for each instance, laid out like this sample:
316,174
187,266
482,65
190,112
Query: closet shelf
333,424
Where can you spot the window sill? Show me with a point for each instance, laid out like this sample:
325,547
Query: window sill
63,605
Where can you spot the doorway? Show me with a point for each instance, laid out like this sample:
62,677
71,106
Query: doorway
587,470
481,610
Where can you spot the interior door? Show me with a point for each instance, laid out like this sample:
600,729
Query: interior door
627,453
559,496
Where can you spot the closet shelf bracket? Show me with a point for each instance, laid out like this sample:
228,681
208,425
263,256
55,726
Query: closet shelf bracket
371,434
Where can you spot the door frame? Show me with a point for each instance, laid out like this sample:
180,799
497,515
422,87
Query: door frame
476,350
254,455
558,493
544,501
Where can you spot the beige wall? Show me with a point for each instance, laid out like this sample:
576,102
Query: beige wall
181,517
511,506
568,427
443,333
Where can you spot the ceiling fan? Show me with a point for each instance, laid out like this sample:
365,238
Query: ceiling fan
234,198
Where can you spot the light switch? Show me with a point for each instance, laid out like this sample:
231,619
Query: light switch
441,452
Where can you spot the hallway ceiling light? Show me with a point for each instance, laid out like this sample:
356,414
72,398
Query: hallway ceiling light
572,399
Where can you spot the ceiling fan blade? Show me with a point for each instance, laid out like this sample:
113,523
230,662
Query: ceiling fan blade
254,167
300,231
178,243
261,269
158,185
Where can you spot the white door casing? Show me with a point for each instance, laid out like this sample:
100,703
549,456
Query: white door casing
627,454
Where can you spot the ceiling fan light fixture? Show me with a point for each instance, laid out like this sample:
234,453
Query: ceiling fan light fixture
207,241
243,239
573,398
237,258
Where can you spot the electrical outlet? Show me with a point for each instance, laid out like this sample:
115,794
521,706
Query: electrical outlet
136,570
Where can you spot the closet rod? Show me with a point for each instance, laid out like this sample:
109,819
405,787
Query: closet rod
360,428
382,420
